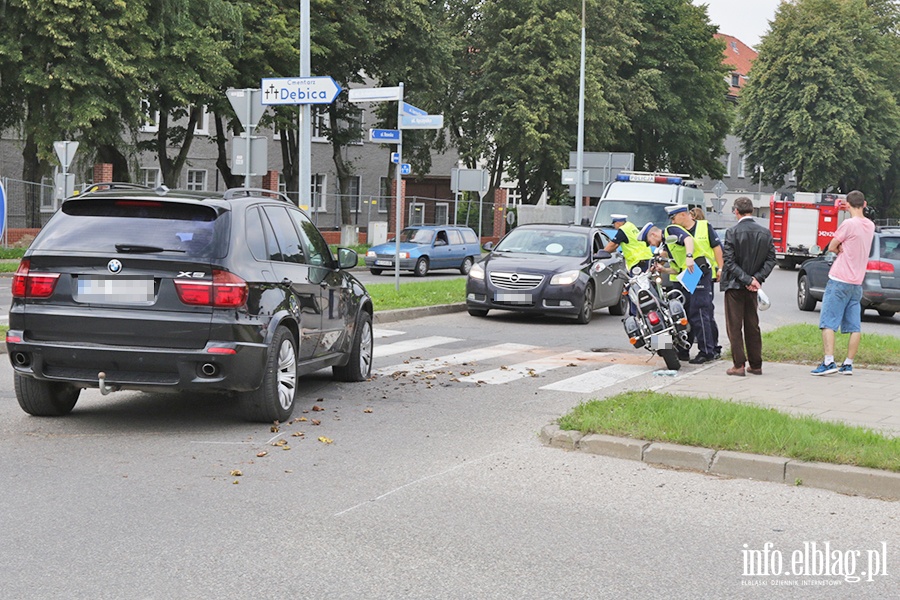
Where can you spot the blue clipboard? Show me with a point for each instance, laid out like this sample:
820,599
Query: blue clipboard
690,280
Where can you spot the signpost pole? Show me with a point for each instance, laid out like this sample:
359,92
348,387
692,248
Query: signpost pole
304,169
579,163
397,209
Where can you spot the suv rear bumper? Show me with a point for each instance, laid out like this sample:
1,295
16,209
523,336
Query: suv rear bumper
229,366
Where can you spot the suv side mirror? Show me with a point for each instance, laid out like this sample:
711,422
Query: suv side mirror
347,258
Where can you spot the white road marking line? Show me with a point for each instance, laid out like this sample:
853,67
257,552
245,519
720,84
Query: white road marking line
527,369
412,345
599,379
378,332
455,359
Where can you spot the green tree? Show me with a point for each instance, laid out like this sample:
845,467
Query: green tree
822,99
69,70
190,41
517,82
677,113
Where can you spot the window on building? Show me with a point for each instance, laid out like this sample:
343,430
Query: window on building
441,213
355,123
151,177
792,176
353,194
513,197
202,126
320,123
317,192
735,80
416,214
742,167
151,119
728,165
196,179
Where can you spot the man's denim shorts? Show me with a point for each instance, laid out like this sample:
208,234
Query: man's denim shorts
840,307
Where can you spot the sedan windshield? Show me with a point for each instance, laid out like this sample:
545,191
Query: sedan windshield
417,236
530,241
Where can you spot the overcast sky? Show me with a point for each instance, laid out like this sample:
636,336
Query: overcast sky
747,20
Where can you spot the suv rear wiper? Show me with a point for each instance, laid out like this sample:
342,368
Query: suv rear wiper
140,249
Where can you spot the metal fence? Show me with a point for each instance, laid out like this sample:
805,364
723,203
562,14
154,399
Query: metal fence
28,205
479,215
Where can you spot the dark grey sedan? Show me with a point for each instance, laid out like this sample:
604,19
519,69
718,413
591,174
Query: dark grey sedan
546,269
881,287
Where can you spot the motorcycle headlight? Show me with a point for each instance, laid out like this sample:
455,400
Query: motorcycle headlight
566,278
477,271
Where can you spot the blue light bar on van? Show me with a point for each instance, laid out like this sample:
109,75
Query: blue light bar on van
649,178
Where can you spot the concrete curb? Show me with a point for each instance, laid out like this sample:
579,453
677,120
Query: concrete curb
845,479
402,314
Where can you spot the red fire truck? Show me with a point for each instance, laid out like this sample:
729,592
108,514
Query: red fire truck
803,224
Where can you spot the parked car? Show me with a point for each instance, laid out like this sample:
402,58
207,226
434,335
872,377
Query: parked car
183,291
427,248
881,287
547,269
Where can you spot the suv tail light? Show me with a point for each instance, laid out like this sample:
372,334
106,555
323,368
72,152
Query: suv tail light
32,285
878,266
226,290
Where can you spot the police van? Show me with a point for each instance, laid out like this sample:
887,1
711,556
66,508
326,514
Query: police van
643,197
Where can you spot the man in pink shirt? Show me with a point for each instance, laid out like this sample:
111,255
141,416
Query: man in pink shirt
840,304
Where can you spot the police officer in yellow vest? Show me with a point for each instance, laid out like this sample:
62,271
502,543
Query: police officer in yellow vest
696,246
635,251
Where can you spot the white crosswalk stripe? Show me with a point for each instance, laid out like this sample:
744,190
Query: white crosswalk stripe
530,368
459,358
598,379
540,361
412,345
378,333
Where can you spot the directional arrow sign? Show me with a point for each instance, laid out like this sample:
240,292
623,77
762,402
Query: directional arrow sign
299,90
374,94
409,109
405,169
384,135
421,121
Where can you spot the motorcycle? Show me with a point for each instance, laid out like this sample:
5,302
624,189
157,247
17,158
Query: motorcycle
658,320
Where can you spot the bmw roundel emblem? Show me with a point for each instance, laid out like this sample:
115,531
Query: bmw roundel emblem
114,266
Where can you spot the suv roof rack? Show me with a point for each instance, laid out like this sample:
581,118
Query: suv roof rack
232,193
114,185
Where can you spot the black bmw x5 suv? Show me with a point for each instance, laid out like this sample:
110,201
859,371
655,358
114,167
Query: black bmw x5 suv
158,290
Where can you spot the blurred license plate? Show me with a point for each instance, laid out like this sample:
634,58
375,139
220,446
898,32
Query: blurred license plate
115,291
513,298
384,263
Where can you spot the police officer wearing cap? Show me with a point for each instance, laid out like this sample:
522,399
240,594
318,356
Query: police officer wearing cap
696,246
635,251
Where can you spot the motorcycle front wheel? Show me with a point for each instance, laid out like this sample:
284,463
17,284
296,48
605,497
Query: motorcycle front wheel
670,355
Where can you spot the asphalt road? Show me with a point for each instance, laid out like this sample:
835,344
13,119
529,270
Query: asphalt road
415,485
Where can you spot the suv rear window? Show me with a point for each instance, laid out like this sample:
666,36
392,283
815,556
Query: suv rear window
150,226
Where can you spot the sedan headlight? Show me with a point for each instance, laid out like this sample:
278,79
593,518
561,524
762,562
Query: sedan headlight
477,272
371,254
566,278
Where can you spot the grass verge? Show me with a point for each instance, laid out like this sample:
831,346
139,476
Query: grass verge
802,343
723,425
427,293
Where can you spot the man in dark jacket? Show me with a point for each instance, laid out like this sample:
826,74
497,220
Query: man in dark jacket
749,255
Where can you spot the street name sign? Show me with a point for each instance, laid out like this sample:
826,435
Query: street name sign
421,121
299,90
381,94
409,109
384,135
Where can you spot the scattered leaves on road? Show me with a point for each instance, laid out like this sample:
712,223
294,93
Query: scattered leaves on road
325,440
